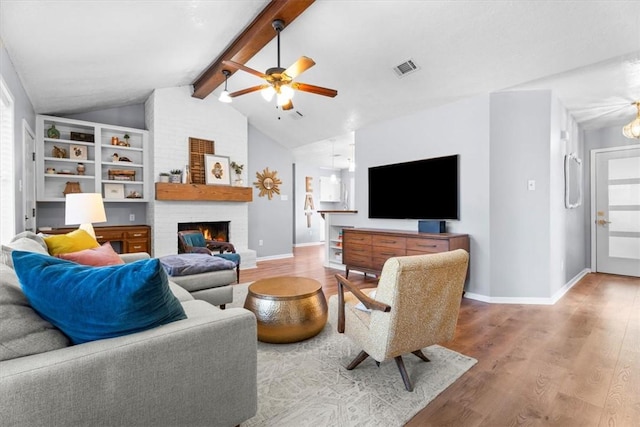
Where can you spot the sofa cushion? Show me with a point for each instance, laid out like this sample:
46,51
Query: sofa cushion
73,241
91,303
25,241
100,256
22,331
187,264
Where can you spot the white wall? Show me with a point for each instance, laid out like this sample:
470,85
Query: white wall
458,128
520,129
271,221
172,116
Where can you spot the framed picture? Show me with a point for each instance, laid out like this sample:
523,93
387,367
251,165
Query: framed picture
217,170
114,191
78,152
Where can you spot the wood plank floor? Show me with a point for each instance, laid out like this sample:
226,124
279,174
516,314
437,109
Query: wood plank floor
576,363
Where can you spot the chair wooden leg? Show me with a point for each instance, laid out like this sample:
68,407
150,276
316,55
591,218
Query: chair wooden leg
403,372
223,306
421,355
238,273
359,358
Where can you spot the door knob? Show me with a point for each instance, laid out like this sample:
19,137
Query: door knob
603,222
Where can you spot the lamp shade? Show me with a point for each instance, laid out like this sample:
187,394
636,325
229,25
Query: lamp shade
84,209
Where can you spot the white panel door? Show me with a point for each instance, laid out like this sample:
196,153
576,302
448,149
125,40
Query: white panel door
618,212
29,178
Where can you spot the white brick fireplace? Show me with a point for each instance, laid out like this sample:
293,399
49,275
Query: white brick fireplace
172,116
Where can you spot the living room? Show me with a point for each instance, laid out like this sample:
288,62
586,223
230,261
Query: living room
526,247
480,128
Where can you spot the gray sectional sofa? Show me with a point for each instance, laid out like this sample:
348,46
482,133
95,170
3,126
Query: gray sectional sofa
200,371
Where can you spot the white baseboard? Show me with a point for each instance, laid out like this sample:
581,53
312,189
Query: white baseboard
302,245
280,256
520,300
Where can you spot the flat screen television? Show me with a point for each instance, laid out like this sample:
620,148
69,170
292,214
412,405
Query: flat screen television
420,189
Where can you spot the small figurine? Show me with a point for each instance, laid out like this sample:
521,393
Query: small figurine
59,153
115,157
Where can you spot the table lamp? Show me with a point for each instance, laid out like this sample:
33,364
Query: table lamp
84,209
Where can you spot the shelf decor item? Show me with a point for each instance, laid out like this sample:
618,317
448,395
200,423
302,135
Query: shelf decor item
59,153
175,176
217,169
72,187
80,168
237,168
84,137
78,152
163,177
121,175
52,132
114,191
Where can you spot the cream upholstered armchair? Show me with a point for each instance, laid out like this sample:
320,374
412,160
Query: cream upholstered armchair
416,305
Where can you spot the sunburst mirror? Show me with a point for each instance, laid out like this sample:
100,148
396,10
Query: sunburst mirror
267,183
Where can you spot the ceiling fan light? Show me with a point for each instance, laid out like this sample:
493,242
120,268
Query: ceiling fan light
287,91
267,93
224,97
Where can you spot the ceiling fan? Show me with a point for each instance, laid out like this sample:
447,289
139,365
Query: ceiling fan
279,80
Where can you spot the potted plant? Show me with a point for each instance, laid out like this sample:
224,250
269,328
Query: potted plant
126,140
164,177
237,168
176,176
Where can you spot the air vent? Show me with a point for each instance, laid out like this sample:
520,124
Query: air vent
405,68
296,115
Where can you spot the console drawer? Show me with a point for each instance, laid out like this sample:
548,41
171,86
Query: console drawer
381,241
422,246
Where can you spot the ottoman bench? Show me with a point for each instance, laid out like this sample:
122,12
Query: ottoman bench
206,277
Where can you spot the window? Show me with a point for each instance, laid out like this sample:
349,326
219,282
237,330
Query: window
7,187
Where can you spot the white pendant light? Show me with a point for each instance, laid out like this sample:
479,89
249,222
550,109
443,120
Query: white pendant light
224,96
632,130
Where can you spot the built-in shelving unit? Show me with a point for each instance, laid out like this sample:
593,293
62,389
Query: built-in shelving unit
334,237
92,145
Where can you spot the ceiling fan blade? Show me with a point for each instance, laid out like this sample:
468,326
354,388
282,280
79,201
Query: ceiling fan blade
299,67
315,89
239,66
248,90
288,106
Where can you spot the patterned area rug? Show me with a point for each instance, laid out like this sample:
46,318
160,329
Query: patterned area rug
306,383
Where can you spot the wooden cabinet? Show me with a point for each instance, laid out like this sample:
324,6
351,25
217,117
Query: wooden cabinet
115,166
367,249
125,239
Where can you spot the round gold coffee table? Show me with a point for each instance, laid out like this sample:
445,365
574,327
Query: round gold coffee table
288,309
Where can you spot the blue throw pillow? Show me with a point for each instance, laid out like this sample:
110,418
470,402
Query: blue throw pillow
92,303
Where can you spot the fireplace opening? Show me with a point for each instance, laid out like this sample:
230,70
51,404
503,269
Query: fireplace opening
212,230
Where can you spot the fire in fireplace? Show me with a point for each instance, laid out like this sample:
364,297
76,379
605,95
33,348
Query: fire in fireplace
212,230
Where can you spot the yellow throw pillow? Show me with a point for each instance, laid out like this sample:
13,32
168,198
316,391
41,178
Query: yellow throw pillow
75,241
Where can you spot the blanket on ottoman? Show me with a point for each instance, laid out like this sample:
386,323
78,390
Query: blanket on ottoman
188,264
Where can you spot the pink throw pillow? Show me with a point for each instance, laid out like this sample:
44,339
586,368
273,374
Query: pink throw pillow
97,257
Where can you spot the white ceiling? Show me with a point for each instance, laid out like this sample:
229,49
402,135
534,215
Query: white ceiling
77,56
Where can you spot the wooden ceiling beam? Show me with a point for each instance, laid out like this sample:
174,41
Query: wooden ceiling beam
255,37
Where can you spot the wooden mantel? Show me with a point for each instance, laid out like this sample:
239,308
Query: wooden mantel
202,192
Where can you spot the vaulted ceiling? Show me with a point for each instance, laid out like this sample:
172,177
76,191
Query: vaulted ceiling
76,56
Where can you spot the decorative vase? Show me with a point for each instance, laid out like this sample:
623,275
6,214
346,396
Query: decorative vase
163,178
238,181
175,179
52,132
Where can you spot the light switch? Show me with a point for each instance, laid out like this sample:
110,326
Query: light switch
532,184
